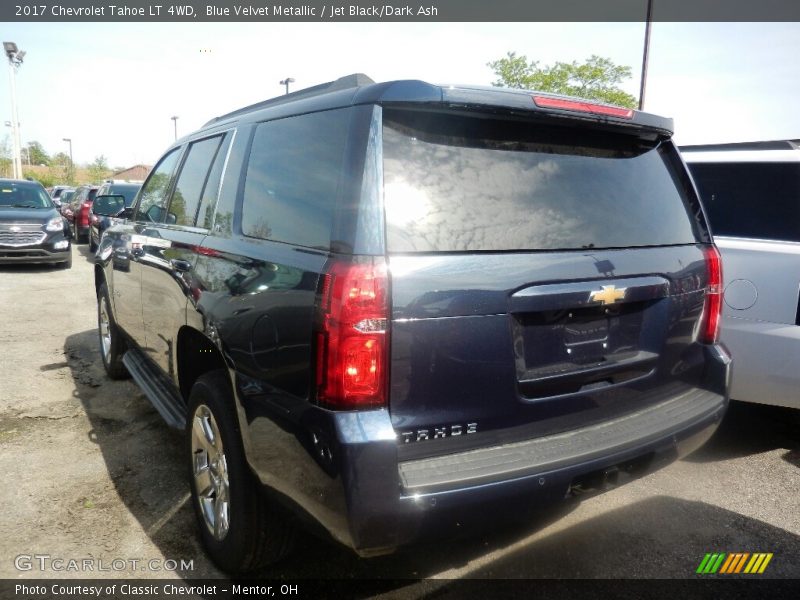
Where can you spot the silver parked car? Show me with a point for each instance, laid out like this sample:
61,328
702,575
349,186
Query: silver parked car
751,193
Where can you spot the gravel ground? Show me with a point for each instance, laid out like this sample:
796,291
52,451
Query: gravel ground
92,472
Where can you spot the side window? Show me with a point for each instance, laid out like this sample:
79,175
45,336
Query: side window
205,216
751,200
153,198
293,177
192,181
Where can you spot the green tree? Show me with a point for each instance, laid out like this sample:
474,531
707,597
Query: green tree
99,170
37,154
46,178
597,78
61,169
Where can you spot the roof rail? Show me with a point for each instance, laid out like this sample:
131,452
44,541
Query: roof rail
343,83
767,145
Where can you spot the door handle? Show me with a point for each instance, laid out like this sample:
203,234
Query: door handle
180,265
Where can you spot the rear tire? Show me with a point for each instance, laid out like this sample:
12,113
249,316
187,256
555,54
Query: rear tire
240,530
112,344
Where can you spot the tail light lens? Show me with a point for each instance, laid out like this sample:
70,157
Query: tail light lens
352,343
712,312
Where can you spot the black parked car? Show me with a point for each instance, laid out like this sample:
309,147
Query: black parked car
391,307
98,223
57,194
31,228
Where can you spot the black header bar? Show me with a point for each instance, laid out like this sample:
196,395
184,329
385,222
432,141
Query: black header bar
397,11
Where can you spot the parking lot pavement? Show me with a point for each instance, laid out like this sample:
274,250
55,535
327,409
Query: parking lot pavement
92,471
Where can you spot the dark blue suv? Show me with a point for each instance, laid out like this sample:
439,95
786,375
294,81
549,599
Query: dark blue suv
385,306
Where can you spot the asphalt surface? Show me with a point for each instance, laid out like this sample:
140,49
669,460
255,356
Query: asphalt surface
92,471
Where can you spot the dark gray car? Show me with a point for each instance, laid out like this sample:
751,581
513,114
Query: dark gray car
31,228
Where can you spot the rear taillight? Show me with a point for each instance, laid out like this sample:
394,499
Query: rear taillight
585,107
712,312
352,342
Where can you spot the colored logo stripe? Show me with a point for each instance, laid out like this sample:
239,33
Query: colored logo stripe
736,562
720,562
758,563
710,563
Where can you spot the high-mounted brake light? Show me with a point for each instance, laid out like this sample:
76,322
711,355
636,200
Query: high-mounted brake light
352,344
712,311
586,107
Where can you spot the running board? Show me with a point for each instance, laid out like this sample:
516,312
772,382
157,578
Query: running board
158,389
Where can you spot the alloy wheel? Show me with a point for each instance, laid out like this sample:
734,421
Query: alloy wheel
105,329
210,471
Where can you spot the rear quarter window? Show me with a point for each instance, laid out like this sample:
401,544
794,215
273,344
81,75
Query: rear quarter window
751,200
293,177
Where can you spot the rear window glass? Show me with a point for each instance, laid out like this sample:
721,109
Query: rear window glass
461,183
751,200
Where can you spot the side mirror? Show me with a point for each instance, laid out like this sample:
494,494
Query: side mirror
108,205
127,213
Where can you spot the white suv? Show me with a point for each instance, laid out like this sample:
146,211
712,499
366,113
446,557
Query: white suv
751,193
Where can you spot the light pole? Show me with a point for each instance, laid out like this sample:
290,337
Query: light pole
8,124
646,53
15,56
71,170
286,82
69,141
175,123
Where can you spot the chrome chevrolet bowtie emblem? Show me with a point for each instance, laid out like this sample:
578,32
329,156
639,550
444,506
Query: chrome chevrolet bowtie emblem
608,295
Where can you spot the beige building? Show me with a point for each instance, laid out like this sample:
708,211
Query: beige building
134,173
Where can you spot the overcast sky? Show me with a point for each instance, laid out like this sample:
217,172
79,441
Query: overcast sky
112,87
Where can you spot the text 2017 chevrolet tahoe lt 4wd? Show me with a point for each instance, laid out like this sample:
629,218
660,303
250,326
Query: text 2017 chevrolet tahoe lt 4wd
382,305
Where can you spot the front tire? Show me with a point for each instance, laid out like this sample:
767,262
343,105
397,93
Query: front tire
67,264
112,344
240,531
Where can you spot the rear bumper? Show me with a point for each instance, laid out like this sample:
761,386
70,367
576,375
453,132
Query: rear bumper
766,361
355,487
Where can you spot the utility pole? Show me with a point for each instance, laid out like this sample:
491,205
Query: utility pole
646,53
15,56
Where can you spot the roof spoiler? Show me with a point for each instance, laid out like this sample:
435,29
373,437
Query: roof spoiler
343,83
